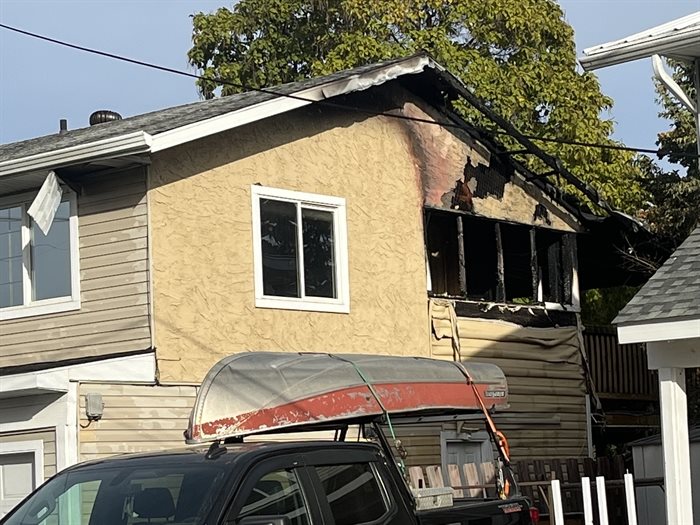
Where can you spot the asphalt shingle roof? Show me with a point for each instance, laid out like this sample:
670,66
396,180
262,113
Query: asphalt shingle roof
673,292
170,118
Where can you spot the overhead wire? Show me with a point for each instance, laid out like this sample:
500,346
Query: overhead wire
335,105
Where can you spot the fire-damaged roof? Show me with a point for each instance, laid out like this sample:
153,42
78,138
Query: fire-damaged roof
119,143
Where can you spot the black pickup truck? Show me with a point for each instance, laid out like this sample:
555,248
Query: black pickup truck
307,483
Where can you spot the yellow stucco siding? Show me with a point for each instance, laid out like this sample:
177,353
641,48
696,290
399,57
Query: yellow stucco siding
202,255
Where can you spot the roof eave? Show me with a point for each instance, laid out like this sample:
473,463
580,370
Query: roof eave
613,53
129,144
659,330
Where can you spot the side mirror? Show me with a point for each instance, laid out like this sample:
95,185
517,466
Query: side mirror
265,520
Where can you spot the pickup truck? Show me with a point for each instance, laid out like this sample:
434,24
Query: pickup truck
301,483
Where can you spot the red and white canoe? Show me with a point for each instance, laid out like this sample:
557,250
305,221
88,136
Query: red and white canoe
258,392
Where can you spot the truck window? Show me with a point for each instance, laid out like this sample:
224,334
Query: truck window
277,493
123,496
354,493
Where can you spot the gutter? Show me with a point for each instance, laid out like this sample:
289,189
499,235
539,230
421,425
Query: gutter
623,51
131,143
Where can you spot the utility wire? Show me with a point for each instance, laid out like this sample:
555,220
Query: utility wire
617,147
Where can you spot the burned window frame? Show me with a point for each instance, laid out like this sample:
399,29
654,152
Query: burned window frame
302,200
551,256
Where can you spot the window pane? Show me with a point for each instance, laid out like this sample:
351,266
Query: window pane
10,257
277,494
353,493
319,253
278,233
50,256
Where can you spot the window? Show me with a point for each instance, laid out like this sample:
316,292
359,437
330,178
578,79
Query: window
300,251
354,493
38,273
277,494
486,260
126,495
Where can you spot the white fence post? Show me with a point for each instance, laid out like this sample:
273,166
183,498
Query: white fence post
587,501
556,503
602,500
629,496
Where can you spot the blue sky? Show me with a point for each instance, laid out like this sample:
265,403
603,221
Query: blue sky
41,83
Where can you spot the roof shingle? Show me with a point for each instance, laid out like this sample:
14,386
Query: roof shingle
673,292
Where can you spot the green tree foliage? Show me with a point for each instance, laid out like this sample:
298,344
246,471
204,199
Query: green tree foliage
675,197
518,55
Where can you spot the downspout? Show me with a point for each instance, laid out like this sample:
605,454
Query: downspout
667,81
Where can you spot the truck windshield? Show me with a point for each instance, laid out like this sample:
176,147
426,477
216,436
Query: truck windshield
130,495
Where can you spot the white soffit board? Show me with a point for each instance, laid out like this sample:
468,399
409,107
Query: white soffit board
659,331
678,39
140,368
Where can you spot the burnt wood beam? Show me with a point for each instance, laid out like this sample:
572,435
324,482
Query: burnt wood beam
500,286
555,271
568,255
534,267
462,266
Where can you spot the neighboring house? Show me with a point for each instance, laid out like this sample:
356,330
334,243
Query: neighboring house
665,314
263,222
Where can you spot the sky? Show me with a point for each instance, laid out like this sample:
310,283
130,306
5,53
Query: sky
41,83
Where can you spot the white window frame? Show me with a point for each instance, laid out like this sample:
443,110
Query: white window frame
337,206
35,447
55,304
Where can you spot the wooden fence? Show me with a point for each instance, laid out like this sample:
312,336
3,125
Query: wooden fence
618,371
535,481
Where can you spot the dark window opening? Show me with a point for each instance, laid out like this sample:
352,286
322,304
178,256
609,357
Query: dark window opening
487,260
443,253
517,264
481,257
549,267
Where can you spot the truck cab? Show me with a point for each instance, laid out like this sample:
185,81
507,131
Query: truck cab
302,483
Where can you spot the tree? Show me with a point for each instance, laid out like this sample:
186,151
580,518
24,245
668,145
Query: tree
518,55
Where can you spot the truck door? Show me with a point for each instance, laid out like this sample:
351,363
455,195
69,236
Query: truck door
353,487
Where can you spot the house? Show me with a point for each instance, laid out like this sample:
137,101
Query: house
306,218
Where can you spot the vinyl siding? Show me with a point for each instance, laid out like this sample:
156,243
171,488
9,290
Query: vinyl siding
114,313
47,435
136,418
543,367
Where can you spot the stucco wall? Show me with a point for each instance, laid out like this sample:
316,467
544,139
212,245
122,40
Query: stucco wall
200,209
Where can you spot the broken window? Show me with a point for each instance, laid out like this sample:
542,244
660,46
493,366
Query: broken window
486,260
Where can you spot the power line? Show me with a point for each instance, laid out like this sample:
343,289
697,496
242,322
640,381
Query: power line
617,147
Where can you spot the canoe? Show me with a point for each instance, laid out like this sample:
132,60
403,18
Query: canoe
261,392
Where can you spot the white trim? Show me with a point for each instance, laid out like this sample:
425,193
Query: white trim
658,331
136,368
667,39
130,143
34,446
282,104
53,305
680,353
151,269
337,206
